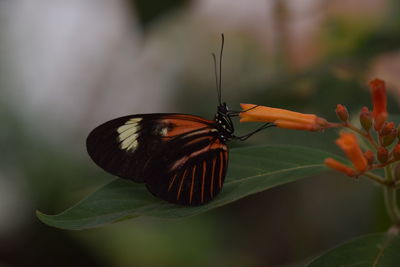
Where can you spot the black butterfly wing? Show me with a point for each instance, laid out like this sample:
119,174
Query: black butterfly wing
178,156
190,169
114,145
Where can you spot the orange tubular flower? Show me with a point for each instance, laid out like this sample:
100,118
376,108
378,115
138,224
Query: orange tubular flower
348,143
336,165
378,90
282,118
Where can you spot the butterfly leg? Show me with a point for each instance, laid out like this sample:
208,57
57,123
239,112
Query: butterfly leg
265,126
234,113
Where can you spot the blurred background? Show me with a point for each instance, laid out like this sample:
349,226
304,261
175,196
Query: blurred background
67,66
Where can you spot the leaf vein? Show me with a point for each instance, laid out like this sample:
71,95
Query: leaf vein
382,248
274,172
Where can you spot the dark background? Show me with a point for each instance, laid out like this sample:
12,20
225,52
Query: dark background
67,66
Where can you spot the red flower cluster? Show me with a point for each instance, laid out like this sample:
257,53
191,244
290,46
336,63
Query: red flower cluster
383,137
385,131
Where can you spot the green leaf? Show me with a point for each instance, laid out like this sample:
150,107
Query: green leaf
251,170
380,249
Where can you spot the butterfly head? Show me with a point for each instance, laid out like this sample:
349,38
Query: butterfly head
223,109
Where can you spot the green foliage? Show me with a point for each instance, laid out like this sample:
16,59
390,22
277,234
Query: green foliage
370,250
251,170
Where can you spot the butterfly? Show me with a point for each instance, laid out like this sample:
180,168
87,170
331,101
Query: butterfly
181,158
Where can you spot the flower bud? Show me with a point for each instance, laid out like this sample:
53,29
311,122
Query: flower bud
388,139
396,152
387,128
369,155
365,118
382,155
342,113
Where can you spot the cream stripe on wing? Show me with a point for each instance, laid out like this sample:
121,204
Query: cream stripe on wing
128,134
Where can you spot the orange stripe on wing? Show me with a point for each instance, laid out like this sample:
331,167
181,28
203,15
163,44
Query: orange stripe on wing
202,181
192,184
181,124
199,139
180,185
213,146
221,168
188,118
212,177
171,183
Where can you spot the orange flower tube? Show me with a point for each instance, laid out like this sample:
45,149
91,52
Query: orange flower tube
281,117
378,91
348,143
296,125
336,165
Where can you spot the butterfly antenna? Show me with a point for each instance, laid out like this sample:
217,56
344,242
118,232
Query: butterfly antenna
216,79
220,64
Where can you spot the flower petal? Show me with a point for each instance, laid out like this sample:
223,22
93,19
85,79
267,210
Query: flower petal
378,91
297,126
267,114
336,165
281,117
348,143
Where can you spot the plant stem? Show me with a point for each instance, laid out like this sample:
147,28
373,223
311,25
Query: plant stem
389,193
397,186
367,135
375,177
